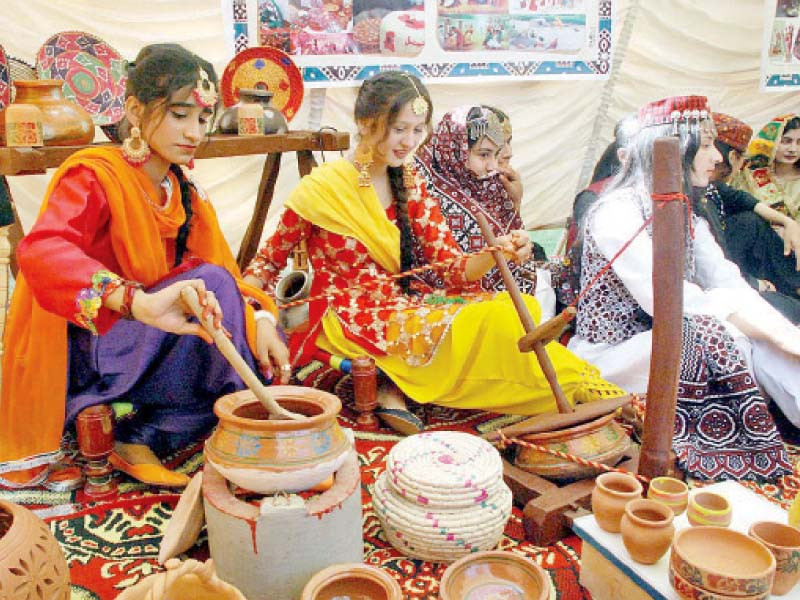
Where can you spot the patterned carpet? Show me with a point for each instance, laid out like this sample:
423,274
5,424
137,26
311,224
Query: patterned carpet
112,545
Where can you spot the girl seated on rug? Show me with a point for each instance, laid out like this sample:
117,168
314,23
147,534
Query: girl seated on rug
361,219
96,316
461,167
723,428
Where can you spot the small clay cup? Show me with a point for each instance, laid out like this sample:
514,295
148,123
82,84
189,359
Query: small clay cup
709,508
352,581
612,491
784,543
670,492
647,530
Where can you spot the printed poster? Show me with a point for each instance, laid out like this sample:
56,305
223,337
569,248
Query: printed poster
340,42
780,53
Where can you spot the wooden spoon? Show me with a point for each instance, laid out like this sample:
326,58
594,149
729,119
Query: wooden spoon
228,350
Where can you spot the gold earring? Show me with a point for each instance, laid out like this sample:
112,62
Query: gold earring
409,176
363,160
135,148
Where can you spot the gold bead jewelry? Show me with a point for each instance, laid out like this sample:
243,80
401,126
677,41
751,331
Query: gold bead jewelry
363,160
205,94
135,149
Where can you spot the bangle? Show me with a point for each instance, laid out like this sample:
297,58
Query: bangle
265,314
126,306
253,302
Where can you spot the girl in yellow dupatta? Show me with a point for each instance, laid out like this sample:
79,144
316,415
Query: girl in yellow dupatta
120,234
364,220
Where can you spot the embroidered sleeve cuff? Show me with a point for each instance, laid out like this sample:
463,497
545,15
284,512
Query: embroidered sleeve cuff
90,299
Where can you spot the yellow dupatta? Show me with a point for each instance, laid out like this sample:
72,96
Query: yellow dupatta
331,198
35,359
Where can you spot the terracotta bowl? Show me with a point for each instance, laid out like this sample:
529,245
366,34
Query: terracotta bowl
784,543
267,455
602,440
688,591
723,561
494,574
356,581
671,492
709,508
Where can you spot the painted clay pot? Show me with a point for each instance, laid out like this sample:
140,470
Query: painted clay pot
268,119
31,563
647,530
612,491
64,123
602,440
689,591
495,574
709,508
269,455
670,492
784,543
723,561
354,581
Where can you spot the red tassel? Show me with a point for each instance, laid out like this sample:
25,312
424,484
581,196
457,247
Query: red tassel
190,165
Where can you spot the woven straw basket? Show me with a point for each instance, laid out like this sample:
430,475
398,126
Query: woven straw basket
442,496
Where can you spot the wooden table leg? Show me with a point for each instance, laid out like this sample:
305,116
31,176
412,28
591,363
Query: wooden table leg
266,189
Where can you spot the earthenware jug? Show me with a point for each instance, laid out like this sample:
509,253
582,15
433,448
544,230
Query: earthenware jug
273,119
647,530
64,123
31,562
612,491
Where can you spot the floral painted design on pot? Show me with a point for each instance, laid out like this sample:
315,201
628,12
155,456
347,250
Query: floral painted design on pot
647,530
670,492
32,566
612,491
709,508
268,455
784,543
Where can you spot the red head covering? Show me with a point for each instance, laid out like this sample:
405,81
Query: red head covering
732,131
674,110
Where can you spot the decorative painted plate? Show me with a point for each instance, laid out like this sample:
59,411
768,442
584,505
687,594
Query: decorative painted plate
93,72
266,68
5,79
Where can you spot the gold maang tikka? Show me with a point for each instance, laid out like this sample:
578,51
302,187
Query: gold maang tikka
205,94
419,104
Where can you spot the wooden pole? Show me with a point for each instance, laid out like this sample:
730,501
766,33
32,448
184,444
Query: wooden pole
657,457
527,321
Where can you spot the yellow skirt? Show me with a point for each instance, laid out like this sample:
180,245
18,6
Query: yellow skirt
478,366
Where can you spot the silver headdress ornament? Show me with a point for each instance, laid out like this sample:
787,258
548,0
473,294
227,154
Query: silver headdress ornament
486,125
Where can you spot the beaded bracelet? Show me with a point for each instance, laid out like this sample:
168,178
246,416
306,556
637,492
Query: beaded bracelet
126,306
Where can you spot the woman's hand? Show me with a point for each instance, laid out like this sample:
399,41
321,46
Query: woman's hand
516,246
165,309
271,353
790,233
765,286
513,184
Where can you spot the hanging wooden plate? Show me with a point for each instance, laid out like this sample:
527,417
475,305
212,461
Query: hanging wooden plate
5,80
94,73
265,68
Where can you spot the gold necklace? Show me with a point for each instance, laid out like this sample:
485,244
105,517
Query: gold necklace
166,185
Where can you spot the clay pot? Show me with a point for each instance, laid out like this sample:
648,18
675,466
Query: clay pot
64,123
612,491
784,543
689,591
495,574
602,440
723,561
269,120
670,492
266,456
355,581
709,508
31,562
647,530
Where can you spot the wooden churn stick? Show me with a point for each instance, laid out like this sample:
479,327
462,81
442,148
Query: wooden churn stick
669,231
527,321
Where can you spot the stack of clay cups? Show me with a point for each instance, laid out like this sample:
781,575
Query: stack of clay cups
442,496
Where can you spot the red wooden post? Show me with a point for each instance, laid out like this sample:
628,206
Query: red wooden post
657,457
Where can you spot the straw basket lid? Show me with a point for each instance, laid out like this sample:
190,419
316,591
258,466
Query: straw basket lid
440,534
445,467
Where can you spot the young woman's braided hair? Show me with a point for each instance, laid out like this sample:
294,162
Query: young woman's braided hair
159,71
379,101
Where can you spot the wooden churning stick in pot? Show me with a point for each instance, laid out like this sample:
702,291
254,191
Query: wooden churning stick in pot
535,339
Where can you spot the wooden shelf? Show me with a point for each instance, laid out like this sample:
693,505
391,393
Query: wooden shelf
23,161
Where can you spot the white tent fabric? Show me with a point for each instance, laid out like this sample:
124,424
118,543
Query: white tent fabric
663,47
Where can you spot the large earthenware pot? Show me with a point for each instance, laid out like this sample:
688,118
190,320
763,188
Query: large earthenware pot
31,562
647,530
269,455
601,440
64,123
612,491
